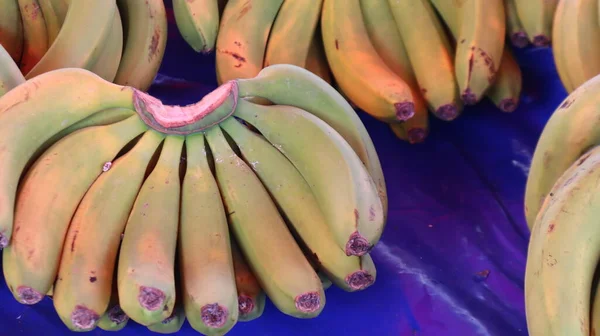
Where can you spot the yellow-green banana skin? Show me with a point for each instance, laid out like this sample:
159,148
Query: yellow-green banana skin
35,35
198,23
11,29
10,75
536,17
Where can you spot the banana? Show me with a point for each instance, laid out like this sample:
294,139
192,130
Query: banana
569,250
10,75
316,61
206,265
251,297
114,318
346,193
35,35
536,17
479,49
146,276
430,56
275,258
11,29
145,28
43,211
514,27
571,130
198,23
108,61
358,69
595,308
242,39
171,324
92,18
291,85
60,7
293,196
292,32
560,45
85,275
51,19
506,90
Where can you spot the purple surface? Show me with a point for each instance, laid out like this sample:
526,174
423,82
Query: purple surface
452,257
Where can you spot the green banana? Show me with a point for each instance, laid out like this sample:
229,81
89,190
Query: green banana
198,23
430,56
206,265
107,63
536,17
506,90
293,196
291,85
275,258
11,29
145,28
35,35
514,27
43,211
10,75
146,270
358,69
171,324
292,32
242,38
251,297
346,193
93,239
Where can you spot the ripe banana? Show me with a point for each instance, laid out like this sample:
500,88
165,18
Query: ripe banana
171,324
316,61
514,27
251,298
85,276
430,56
293,196
560,45
292,32
277,261
242,39
145,27
146,271
198,23
108,61
51,19
114,318
11,29
291,85
536,17
480,42
358,69
346,193
10,75
43,211
506,90
570,131
35,35
205,262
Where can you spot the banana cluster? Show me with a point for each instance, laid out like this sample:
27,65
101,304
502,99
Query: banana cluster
122,41
122,208
562,203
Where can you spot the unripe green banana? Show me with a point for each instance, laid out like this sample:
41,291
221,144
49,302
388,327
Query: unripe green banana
198,23
346,193
205,262
293,196
242,38
43,211
514,27
35,35
11,29
506,90
146,270
85,276
251,297
171,324
10,75
275,258
358,69
536,17
108,61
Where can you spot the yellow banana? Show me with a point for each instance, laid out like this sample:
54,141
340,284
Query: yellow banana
316,61
205,262
10,75
108,61
358,69
560,45
11,29
536,17
277,261
51,20
198,23
514,27
171,324
35,35
506,90
251,297
114,318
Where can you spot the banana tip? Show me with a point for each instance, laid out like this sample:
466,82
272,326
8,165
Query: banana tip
308,302
541,41
360,280
468,97
357,245
519,39
151,298
507,105
447,112
214,315
416,135
28,295
116,315
404,110
245,304
3,240
84,318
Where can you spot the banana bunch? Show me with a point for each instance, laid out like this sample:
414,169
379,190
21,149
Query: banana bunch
562,207
170,213
122,41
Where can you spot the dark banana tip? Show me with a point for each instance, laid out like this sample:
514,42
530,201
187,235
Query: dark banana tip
360,280
117,316
84,318
357,245
416,135
404,111
28,295
3,240
507,105
245,304
151,298
447,112
308,302
468,97
214,315
519,39
541,41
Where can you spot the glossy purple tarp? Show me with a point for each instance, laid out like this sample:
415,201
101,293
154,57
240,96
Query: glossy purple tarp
452,258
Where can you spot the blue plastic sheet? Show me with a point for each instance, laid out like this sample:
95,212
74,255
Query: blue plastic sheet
452,257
